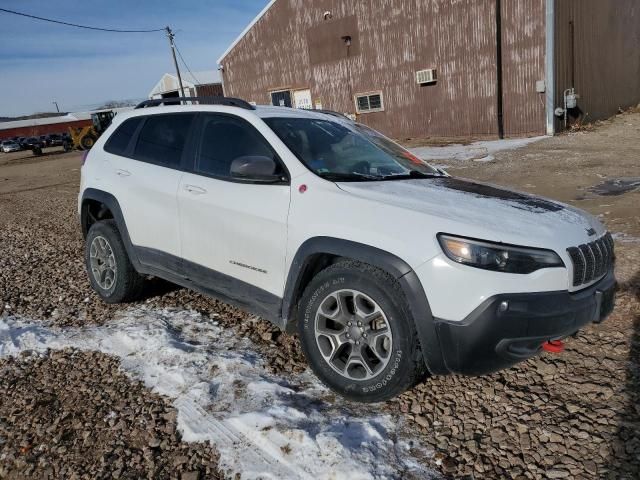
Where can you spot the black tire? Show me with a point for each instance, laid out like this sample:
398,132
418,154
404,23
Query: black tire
87,142
127,283
405,365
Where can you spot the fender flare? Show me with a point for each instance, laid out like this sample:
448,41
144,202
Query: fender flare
112,204
395,266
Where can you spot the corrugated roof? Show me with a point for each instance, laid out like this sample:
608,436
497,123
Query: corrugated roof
169,81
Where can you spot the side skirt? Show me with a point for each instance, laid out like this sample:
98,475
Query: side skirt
211,283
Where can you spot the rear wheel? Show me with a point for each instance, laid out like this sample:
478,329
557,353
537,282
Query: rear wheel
110,271
357,333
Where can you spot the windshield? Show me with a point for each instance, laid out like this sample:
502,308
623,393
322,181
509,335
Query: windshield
347,152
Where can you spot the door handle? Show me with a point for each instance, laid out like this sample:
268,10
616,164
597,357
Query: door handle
195,190
123,173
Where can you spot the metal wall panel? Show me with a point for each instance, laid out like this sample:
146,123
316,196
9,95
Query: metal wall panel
523,53
396,39
606,59
209,90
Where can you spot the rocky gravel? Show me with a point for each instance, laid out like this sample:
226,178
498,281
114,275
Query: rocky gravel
75,415
575,415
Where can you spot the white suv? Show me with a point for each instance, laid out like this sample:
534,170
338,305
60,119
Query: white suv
390,269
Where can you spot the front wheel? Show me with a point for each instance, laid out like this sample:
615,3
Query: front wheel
87,142
357,333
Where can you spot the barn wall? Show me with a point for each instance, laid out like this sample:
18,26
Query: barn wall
393,39
36,130
606,63
523,58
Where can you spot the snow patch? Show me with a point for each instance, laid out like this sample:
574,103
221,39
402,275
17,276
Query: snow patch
625,238
483,151
263,425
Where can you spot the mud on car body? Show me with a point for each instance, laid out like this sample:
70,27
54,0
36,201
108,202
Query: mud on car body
388,269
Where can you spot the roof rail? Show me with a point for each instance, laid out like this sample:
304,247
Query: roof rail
227,101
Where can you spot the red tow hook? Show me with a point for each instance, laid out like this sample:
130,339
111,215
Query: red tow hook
553,346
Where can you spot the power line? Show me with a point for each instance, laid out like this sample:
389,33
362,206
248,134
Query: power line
185,63
78,26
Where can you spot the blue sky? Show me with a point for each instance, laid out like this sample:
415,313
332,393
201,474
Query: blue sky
42,62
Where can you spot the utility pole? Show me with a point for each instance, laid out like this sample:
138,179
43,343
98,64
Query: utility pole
57,107
170,35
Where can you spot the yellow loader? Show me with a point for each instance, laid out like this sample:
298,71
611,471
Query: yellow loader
85,137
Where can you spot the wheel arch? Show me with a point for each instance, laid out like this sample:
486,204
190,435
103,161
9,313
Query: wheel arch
319,252
92,197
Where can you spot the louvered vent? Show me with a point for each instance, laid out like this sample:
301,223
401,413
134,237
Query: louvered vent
424,77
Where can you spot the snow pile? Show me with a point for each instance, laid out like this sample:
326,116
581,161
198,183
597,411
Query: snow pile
478,151
264,426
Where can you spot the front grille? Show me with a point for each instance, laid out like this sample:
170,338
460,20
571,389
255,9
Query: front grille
591,260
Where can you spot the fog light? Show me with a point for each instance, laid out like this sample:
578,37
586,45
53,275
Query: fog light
504,306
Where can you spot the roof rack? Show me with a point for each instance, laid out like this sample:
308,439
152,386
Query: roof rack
227,101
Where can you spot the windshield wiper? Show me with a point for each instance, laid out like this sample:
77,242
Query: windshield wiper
412,174
363,177
349,177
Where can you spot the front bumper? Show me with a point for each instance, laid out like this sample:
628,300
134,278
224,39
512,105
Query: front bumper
493,337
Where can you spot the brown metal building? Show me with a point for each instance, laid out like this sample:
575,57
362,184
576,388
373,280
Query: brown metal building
418,68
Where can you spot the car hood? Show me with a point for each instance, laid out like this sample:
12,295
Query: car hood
495,212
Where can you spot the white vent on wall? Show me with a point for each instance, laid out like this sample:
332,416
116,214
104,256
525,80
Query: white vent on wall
426,76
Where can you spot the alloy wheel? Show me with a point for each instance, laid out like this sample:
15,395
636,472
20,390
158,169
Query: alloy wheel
103,263
353,334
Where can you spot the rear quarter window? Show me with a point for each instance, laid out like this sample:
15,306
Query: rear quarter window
119,141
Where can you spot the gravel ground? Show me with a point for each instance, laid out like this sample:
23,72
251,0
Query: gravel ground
73,415
576,415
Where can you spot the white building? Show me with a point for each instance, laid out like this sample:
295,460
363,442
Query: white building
207,83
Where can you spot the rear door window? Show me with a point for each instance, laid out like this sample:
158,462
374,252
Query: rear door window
119,141
163,138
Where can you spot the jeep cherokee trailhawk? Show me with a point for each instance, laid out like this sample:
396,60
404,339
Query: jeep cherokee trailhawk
388,268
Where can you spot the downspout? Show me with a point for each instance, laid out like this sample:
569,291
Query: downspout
550,80
499,87
221,70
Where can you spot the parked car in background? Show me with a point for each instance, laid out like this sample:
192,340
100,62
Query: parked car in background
31,143
20,141
10,146
44,140
55,140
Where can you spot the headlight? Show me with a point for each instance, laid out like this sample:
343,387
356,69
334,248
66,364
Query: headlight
496,256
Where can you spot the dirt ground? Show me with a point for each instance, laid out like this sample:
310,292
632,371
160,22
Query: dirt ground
575,415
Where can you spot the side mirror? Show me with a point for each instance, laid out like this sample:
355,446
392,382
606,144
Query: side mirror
255,168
